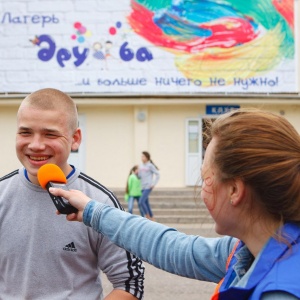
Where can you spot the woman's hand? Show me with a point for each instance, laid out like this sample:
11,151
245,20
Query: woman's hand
76,198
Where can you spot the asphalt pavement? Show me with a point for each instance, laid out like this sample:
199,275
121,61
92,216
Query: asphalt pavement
160,285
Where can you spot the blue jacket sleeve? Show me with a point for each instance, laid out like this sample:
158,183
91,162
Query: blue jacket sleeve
165,248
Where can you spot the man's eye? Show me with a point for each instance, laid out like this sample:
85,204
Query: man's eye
51,135
24,133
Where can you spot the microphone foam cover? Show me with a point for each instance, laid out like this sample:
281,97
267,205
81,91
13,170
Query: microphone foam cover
50,172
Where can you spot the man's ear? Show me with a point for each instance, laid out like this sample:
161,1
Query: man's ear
237,192
76,139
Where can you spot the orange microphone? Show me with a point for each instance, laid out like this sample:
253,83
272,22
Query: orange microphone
51,175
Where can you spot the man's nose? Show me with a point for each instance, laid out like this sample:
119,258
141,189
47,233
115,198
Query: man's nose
37,143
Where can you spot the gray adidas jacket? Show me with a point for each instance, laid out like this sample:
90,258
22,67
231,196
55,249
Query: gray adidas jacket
45,257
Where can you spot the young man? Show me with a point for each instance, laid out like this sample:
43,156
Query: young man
42,256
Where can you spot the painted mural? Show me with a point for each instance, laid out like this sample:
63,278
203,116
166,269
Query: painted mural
149,46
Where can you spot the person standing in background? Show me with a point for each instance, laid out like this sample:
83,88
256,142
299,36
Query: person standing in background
149,175
133,189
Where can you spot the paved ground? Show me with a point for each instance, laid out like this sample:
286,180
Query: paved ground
160,285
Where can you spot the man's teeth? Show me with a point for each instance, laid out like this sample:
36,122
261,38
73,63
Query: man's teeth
39,158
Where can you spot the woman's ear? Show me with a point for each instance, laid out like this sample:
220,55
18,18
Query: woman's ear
237,192
76,139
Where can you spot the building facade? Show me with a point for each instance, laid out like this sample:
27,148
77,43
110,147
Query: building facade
147,83
117,130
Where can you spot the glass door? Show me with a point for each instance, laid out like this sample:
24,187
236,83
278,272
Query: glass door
193,151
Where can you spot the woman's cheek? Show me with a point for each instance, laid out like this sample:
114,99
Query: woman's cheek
207,193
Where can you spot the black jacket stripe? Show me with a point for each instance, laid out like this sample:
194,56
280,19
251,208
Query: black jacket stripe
98,185
13,173
137,267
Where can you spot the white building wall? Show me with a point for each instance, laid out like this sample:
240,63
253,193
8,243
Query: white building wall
8,122
109,140
115,137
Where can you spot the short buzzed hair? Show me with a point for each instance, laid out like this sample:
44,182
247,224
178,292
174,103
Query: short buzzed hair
53,99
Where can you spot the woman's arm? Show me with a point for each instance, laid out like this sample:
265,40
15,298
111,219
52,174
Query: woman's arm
166,248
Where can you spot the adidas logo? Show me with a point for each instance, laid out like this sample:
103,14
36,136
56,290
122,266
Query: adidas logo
70,247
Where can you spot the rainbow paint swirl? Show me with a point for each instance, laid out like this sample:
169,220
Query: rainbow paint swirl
224,39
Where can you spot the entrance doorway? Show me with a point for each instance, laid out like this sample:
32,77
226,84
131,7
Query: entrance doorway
196,143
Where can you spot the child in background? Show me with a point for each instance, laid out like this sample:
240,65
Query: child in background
133,189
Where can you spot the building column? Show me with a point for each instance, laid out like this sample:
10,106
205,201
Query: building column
140,131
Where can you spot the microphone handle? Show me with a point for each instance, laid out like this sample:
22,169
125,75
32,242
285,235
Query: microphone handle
62,205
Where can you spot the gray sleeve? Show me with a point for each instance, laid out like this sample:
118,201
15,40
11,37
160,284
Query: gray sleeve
124,270
156,174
